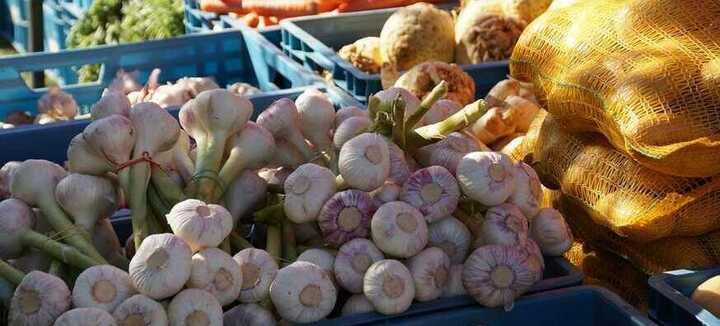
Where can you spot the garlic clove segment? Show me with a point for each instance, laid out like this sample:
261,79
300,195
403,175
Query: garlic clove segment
39,299
258,270
161,266
103,287
551,232
432,190
357,304
452,236
200,225
195,307
528,194
389,286
454,285
306,190
504,225
215,271
486,177
399,229
85,317
352,261
364,161
140,310
249,314
429,270
302,292
346,216
449,151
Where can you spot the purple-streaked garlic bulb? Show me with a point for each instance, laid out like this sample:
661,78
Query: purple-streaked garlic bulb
6,174
399,229
306,190
429,270
57,103
38,300
346,216
389,286
195,307
302,293
320,257
528,194
200,225
551,232
486,177
504,225
140,310
350,128
449,151
244,194
161,266
495,275
281,119
441,110
534,256
347,113
364,161
352,261
85,317
389,191
16,218
452,236
317,118
399,168
454,285
215,271
258,270
412,103
103,287
432,190
249,314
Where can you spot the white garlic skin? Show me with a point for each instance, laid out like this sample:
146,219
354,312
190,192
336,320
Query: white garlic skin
534,257
454,285
389,286
195,307
350,128
103,287
85,317
322,258
364,161
551,232
215,271
441,110
141,309
17,217
528,194
389,191
306,191
245,193
51,292
399,229
200,225
161,266
249,314
352,261
433,191
429,270
357,304
303,293
347,113
412,102
258,270
486,177
317,117
399,168
504,225
449,151
452,236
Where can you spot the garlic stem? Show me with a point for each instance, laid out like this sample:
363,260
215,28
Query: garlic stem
425,135
56,268
238,242
139,179
288,243
166,187
10,274
273,214
436,94
273,245
59,251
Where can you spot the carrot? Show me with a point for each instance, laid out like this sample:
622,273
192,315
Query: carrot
289,8
252,19
222,6
360,5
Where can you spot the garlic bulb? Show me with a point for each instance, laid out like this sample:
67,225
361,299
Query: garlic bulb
495,275
249,314
197,85
282,121
111,102
322,258
504,225
306,190
452,236
86,198
195,307
357,304
103,287
486,177
85,317
302,293
286,155
429,270
170,95
346,216
441,110
364,161
454,285
82,158
412,103
244,194
351,262
6,174
258,270
140,310
213,270
57,103
350,128
317,116
200,225
389,286
347,113
551,232
107,243
16,218
244,89
389,191
449,151
534,257
399,168
161,266
432,190
38,300
251,148
528,193
399,229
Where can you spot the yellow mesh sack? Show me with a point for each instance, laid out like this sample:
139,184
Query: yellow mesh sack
644,73
631,200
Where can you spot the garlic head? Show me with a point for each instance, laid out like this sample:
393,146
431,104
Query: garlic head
346,216
200,225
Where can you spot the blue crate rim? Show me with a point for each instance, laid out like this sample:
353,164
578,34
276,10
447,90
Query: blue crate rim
659,285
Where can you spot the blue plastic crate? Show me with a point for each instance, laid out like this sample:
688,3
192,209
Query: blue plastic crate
670,302
18,30
198,21
314,41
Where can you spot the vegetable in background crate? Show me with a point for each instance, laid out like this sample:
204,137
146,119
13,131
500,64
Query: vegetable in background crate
707,295
363,54
422,78
485,32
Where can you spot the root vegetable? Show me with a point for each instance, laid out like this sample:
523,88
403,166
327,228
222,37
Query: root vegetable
244,194
352,261
422,78
316,114
200,225
513,146
357,304
282,120
486,177
215,271
483,32
449,151
528,194
322,258
306,190
38,300
303,293
452,236
86,198
251,148
85,317
510,87
350,128
141,310
520,112
347,113
364,54
429,270
454,286
388,285
244,89
433,191
258,271
58,104
493,126
504,225
111,102
195,307
249,314
551,232
399,229
364,162
161,266
103,287
346,216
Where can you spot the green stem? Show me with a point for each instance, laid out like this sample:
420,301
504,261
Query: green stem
64,253
11,274
272,214
273,245
157,206
428,134
56,268
436,94
166,187
225,246
239,242
373,107
139,180
209,164
288,243
73,234
398,130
